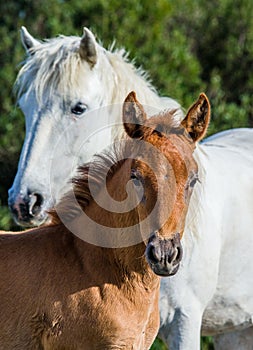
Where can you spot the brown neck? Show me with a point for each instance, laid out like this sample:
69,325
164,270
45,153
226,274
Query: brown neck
119,213
111,221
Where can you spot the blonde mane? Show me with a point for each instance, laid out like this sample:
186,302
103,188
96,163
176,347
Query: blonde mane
56,62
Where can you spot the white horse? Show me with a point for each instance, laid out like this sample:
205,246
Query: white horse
63,89
213,289
65,78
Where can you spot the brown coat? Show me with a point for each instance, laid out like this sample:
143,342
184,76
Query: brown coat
58,292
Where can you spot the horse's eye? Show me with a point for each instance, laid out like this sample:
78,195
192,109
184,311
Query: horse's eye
79,108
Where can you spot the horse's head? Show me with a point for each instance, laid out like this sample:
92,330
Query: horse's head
165,169
61,82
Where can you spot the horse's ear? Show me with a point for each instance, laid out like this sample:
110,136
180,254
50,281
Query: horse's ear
87,49
197,119
28,40
134,116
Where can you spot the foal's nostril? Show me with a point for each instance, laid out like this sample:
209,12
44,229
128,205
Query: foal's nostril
179,253
35,203
175,255
154,254
164,255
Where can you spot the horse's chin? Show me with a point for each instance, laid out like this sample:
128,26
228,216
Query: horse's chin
32,222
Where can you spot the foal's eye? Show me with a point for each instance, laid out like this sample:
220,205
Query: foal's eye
79,108
193,180
136,178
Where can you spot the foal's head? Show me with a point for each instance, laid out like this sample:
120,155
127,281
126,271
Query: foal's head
164,173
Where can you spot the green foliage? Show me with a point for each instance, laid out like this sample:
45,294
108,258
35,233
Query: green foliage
186,46
221,39
207,343
5,219
158,345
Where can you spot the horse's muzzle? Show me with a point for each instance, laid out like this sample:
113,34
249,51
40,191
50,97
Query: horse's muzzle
26,210
164,255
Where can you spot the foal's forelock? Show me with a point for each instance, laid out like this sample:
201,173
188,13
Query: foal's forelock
92,174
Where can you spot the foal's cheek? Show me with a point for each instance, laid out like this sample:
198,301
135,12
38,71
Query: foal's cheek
144,199
188,193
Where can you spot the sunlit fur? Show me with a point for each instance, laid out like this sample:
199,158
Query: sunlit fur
60,292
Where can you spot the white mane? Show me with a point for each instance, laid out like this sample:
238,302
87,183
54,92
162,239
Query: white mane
55,61
56,65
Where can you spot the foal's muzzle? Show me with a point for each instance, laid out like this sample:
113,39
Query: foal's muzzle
164,255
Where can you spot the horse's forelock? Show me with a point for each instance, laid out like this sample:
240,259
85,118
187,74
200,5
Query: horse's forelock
54,62
57,62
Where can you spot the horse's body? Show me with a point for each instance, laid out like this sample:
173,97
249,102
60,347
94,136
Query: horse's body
60,292
71,91
215,280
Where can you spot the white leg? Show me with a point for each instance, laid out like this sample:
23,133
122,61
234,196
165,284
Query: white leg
183,333
238,340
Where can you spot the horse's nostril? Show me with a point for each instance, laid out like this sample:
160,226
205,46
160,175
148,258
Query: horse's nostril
35,203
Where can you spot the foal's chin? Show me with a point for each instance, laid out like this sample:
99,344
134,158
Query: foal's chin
164,255
164,271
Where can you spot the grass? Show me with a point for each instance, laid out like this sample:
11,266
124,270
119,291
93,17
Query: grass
206,344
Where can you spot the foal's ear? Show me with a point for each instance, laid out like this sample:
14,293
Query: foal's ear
28,41
197,118
134,116
87,48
